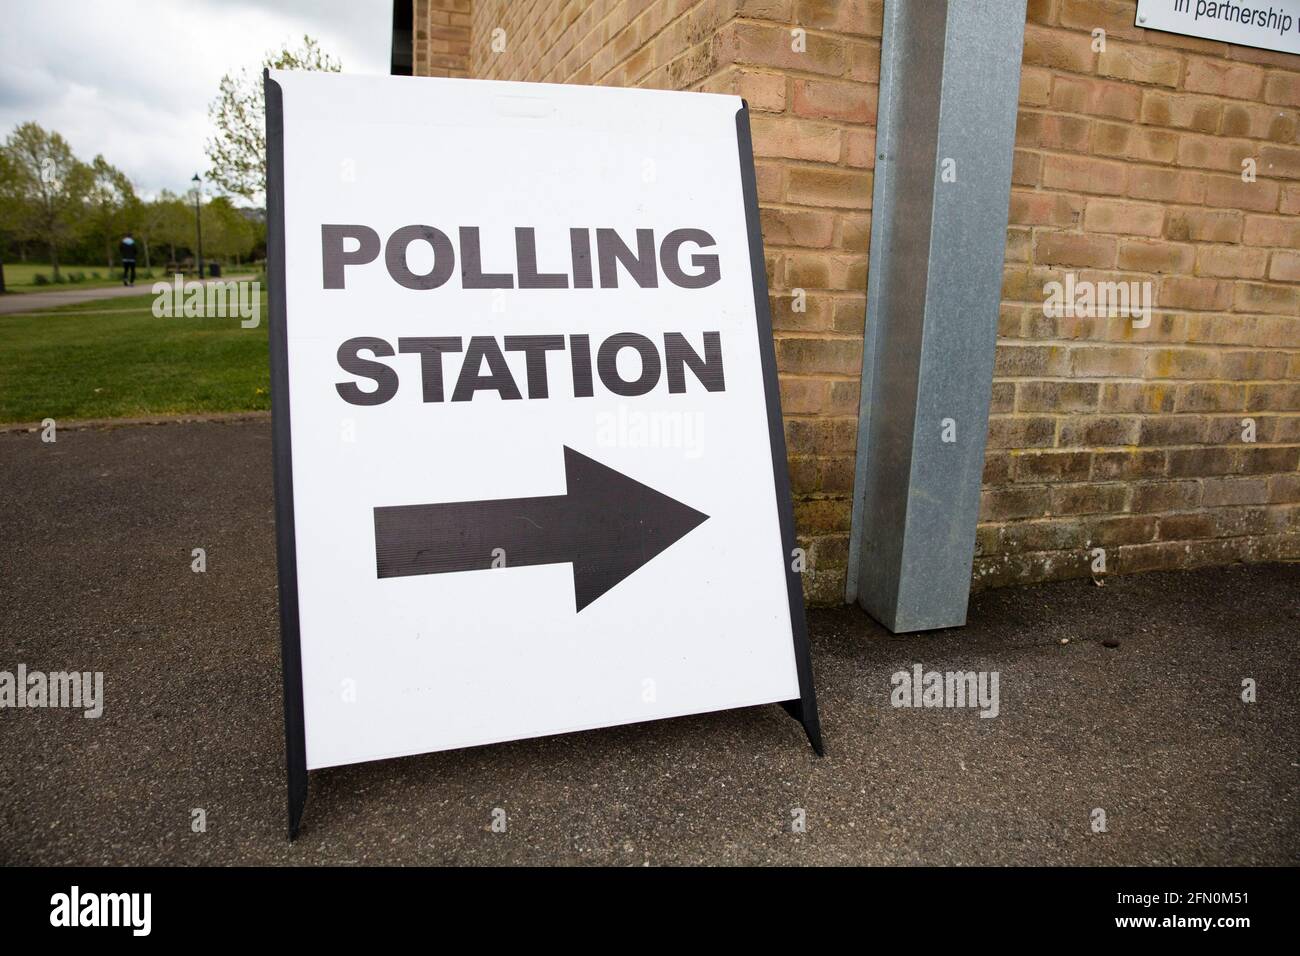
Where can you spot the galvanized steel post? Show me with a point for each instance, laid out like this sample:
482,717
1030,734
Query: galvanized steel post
950,78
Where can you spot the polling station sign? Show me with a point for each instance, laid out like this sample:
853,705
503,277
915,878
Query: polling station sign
530,468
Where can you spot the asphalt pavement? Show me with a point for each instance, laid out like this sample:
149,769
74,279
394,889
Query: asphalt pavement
1125,698
24,302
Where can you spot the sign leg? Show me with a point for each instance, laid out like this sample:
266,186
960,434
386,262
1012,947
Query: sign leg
297,797
811,725
295,735
803,709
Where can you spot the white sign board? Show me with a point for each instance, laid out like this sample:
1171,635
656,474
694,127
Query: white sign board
531,476
1267,24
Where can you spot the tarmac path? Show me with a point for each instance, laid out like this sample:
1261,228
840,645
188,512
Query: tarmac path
37,301
96,532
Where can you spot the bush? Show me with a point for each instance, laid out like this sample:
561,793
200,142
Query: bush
77,277
40,278
96,275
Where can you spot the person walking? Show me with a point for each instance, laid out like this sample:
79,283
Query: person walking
128,260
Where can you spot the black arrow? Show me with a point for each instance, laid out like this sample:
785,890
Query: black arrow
606,526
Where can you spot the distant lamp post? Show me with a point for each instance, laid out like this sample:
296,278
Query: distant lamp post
198,219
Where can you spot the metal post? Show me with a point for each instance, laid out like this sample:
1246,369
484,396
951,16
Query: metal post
950,77
198,221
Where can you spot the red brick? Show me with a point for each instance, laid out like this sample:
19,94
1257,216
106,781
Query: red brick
834,99
1272,231
1133,143
797,227
1204,225
1181,111
835,188
1230,262
1215,152
1141,256
1084,174
1285,266
1044,209
1113,16
862,17
1140,64
1035,86
1074,249
1260,297
1230,191
1117,216
1282,88
1078,94
1235,80
1279,161
1185,292
1259,122
1052,131
1166,185
786,138
1058,49
761,44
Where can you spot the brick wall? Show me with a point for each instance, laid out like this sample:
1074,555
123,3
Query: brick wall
442,38
660,44
1128,167
813,96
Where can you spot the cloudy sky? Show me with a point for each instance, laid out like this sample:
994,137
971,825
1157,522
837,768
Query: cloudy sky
132,79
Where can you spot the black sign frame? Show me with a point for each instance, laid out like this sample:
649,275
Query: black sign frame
803,708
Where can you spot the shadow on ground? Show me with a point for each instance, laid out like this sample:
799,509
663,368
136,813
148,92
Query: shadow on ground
95,539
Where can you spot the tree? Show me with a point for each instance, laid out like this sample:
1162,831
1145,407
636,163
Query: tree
170,221
237,152
52,185
110,200
227,233
151,220
10,207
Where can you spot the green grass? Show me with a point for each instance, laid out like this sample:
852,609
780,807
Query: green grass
21,276
114,359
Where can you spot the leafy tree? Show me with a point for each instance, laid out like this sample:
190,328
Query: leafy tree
242,235
237,153
10,206
170,222
110,201
231,233
256,220
53,185
150,221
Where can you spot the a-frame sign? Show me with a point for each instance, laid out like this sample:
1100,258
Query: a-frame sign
530,466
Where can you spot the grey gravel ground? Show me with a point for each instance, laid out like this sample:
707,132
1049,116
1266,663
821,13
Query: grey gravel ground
95,539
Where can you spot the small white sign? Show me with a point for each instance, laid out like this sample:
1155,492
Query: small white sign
537,471
1267,24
